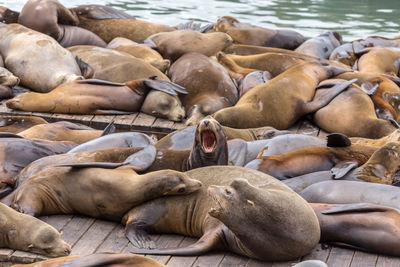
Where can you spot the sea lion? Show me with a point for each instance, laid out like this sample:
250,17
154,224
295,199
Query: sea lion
362,122
347,192
104,193
368,227
229,213
141,51
320,46
380,60
97,259
46,63
97,97
114,23
16,153
173,45
52,18
344,54
23,232
7,82
244,33
262,106
209,86
16,124
340,158
62,131
8,16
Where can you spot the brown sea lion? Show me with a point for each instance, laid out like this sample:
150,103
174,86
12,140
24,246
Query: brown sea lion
141,51
106,194
8,16
320,46
57,65
368,227
209,86
96,97
380,60
7,82
244,33
231,214
361,120
52,18
262,106
16,124
62,131
172,45
23,232
17,153
97,259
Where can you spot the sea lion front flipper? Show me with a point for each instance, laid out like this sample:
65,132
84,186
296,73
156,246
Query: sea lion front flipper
104,165
9,135
138,236
326,97
141,160
99,82
337,140
100,12
369,87
342,168
86,70
110,128
356,207
164,85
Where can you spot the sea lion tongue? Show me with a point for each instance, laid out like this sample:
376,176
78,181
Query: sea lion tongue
208,140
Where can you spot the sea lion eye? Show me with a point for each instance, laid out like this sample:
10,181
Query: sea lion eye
181,190
228,192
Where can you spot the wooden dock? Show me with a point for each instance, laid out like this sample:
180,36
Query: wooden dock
87,235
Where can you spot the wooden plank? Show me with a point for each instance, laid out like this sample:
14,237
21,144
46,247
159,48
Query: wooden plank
387,261
75,228
210,259
93,238
124,122
286,263
231,259
5,254
320,252
340,257
143,122
179,261
61,117
256,263
363,259
57,221
162,123
101,121
166,241
23,257
83,119
178,126
115,242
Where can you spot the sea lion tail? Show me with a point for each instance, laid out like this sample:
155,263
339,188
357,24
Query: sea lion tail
337,140
110,128
164,86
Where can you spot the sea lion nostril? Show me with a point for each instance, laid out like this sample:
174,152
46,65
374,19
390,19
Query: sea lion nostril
206,122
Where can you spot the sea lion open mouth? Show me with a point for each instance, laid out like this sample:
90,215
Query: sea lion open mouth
208,141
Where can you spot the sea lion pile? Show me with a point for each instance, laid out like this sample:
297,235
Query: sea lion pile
235,177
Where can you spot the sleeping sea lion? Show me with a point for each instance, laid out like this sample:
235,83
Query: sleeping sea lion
262,106
244,33
229,213
380,60
208,84
104,193
97,97
46,63
16,124
368,227
52,18
320,46
23,232
172,45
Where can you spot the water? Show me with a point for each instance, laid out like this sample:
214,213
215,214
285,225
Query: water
354,19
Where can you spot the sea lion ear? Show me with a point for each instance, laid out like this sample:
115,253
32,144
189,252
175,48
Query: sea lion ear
337,140
238,182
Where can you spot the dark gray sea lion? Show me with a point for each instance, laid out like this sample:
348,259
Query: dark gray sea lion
320,46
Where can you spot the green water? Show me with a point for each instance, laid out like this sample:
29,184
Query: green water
353,19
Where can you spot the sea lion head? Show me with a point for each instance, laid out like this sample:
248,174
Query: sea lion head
46,240
8,16
163,105
225,22
209,135
176,183
7,78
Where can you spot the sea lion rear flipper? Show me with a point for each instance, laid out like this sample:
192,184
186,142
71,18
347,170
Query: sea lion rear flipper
165,86
138,236
395,123
99,82
356,207
9,135
337,140
326,97
191,25
369,87
86,70
110,128
141,160
342,168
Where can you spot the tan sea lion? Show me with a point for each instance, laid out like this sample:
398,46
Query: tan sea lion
262,106
172,45
344,54
141,51
23,232
244,33
229,213
7,82
208,84
362,122
52,18
380,60
368,227
106,194
320,46
96,97
61,131
46,63
16,124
